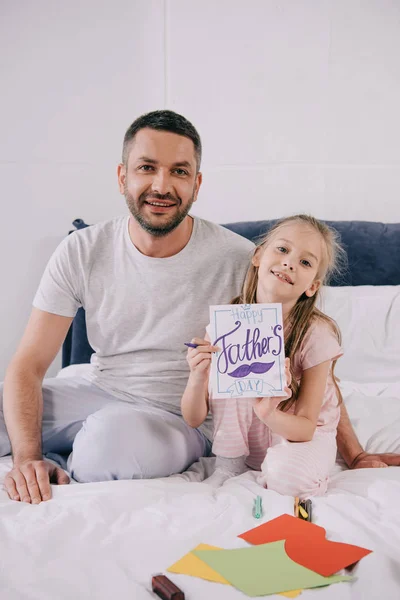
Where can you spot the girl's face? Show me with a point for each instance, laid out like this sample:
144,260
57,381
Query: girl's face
289,264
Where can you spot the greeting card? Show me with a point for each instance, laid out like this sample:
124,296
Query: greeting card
251,359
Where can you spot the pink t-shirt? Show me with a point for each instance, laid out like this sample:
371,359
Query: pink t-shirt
319,345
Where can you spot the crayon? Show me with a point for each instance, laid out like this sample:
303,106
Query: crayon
165,589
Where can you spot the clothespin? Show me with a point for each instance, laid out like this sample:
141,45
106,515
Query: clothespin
257,508
305,510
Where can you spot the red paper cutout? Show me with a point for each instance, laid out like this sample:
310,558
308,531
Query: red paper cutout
280,529
322,555
306,544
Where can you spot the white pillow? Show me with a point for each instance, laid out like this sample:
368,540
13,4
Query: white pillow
369,370
376,421
386,439
369,319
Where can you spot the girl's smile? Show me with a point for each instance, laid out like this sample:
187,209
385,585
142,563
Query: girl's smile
284,277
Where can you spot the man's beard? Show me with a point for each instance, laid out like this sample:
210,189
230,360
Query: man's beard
147,225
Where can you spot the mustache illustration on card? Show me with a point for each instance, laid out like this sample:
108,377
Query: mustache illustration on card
255,367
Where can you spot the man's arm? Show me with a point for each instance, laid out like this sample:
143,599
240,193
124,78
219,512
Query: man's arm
351,450
29,480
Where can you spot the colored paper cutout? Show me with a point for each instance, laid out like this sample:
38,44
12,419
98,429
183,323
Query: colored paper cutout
292,594
322,555
281,528
306,544
264,569
192,565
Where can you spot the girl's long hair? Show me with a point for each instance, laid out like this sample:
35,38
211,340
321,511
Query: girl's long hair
304,312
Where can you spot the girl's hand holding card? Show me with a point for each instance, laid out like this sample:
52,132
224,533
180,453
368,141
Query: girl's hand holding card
264,407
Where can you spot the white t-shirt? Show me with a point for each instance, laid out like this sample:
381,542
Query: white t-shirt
140,310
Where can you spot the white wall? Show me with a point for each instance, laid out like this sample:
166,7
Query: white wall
297,103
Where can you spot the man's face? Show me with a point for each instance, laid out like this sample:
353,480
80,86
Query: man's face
160,182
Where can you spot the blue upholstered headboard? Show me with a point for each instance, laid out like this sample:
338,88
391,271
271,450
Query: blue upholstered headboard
373,251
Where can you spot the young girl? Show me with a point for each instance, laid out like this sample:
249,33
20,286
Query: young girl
291,439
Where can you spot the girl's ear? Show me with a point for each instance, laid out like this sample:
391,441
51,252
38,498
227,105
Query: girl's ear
313,289
255,261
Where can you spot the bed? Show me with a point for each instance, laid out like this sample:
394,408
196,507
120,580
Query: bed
105,540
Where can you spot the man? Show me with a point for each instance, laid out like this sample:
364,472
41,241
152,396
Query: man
146,282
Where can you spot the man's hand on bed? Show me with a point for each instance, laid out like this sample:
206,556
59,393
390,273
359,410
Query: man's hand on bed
30,480
370,461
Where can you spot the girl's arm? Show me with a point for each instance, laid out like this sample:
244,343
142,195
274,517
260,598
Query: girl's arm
194,403
298,427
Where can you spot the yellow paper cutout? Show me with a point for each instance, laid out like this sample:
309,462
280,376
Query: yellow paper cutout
292,594
194,566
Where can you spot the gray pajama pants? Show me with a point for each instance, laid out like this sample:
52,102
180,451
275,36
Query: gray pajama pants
101,437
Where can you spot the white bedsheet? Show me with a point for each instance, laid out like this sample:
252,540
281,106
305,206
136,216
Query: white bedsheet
106,540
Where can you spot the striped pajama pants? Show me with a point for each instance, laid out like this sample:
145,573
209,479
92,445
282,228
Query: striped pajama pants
289,468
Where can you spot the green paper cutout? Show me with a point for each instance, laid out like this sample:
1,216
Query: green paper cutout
264,569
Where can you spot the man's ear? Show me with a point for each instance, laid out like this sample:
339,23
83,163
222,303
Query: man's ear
255,261
121,173
199,180
314,287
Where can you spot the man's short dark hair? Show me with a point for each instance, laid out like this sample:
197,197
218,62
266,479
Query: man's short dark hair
162,120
